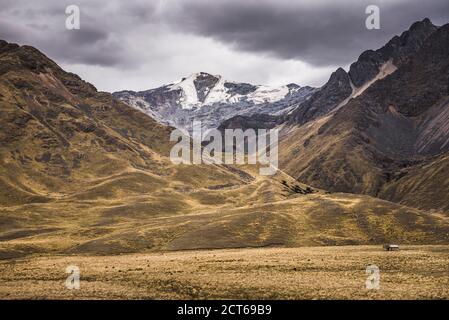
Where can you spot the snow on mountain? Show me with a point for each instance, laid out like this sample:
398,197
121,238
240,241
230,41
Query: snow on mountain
189,97
265,94
211,99
219,93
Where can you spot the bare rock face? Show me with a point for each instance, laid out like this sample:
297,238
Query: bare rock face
341,85
366,67
240,88
256,121
204,84
399,49
337,89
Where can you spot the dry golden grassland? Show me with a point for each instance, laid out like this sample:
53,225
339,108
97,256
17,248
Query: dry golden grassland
414,272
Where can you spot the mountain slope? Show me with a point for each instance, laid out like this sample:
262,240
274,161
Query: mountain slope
59,134
383,141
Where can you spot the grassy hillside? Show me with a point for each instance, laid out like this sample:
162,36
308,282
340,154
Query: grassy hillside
262,213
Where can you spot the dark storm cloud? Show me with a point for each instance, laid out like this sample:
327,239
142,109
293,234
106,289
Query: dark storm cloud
318,32
140,11
100,40
142,43
88,35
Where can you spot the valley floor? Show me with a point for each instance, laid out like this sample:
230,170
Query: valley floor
414,272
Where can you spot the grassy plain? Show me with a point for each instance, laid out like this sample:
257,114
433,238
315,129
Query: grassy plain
332,272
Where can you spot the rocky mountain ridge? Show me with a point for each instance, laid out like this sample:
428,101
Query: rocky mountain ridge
212,100
378,141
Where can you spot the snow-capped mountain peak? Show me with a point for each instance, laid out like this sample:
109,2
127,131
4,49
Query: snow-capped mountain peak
212,99
205,89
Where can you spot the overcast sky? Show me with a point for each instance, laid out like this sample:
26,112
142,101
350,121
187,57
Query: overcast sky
139,45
